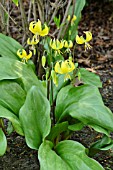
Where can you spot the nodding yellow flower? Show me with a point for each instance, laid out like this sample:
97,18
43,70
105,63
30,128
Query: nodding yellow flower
81,40
73,19
36,28
23,54
64,67
56,44
68,44
69,17
34,40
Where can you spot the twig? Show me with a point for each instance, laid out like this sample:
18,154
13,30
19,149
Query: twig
56,6
24,20
41,10
68,23
7,13
64,19
29,11
34,10
8,31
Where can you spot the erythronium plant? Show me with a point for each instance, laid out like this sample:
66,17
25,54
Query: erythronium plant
48,111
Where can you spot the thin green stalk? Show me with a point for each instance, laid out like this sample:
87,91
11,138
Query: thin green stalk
52,107
2,125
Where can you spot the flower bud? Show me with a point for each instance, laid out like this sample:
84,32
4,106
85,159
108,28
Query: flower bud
43,61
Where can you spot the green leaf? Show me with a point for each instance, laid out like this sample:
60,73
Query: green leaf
15,2
9,47
68,155
35,117
99,129
57,130
13,69
85,104
3,143
9,128
12,96
4,113
76,127
90,78
103,144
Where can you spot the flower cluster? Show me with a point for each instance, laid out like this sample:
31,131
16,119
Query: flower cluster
58,67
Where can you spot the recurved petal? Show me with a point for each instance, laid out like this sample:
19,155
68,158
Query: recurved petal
80,40
70,44
71,66
58,68
45,31
28,56
88,35
35,27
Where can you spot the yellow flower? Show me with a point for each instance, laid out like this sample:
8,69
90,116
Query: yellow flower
34,40
73,19
64,67
68,44
68,18
36,28
81,40
23,54
56,44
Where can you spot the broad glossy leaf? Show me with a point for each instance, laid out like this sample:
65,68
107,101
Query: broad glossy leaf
9,47
35,117
90,78
68,155
13,69
85,104
12,96
4,113
3,143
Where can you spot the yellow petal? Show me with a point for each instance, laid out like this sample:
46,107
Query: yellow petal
21,53
80,40
28,56
68,18
64,67
35,27
57,68
71,66
88,35
65,44
45,31
73,19
70,44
